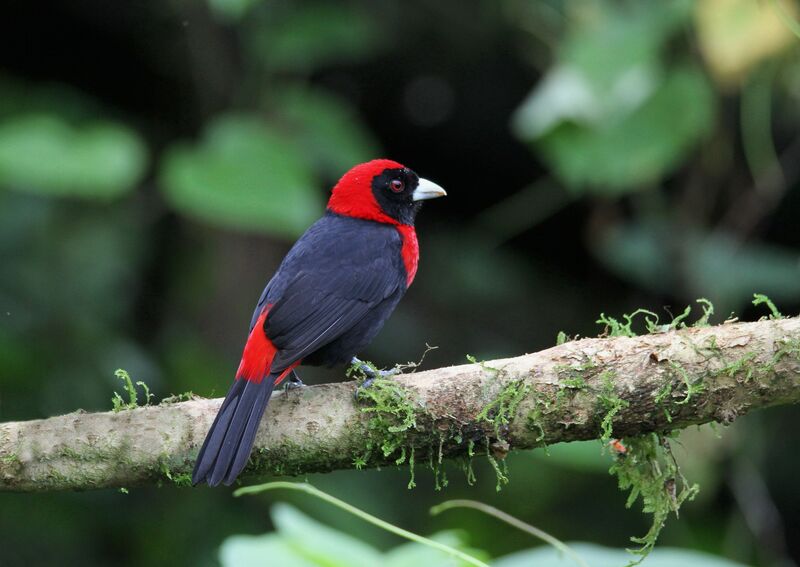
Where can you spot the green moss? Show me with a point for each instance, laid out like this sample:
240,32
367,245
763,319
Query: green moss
10,459
574,383
708,311
761,299
393,412
747,367
610,403
624,328
573,375
743,365
118,403
649,470
693,387
392,430
465,463
437,467
499,412
176,398
411,468
616,328
789,347
289,459
181,479
678,322
500,471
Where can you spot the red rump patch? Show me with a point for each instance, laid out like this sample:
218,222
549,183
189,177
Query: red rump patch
410,251
352,196
258,354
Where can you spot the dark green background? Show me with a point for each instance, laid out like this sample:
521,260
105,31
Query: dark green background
157,159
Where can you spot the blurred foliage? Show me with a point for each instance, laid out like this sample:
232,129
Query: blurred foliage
215,181
600,155
55,141
603,557
610,115
45,154
723,23
288,546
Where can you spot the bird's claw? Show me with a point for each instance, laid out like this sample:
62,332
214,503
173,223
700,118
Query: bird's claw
370,373
293,382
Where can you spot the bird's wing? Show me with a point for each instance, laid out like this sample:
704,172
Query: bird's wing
331,279
318,307
262,301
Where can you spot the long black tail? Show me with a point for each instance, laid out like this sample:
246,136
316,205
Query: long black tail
230,439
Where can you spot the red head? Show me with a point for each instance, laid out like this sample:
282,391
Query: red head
382,190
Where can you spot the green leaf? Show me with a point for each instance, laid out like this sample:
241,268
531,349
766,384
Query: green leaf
42,153
242,175
413,554
257,551
330,547
608,118
607,67
611,39
289,545
638,148
598,556
330,132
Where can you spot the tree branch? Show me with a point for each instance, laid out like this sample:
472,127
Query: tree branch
583,389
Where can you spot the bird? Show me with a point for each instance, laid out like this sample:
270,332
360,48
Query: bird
328,299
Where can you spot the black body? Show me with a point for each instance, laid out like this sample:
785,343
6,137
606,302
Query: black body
328,299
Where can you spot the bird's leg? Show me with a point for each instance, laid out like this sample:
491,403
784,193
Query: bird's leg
370,372
293,382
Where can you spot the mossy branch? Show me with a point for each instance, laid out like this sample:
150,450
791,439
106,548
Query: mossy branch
586,389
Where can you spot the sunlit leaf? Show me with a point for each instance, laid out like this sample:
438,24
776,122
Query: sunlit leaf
257,551
243,175
598,556
415,555
736,35
298,541
42,153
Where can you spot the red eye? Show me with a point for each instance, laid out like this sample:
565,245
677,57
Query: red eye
396,185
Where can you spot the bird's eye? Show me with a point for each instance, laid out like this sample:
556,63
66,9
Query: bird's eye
397,185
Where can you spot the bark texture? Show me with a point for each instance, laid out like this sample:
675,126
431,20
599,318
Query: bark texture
585,389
